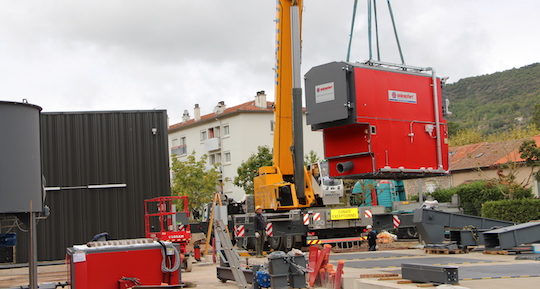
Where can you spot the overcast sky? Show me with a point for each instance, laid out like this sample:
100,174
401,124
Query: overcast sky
67,55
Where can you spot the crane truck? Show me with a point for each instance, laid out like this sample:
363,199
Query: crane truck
294,205
288,193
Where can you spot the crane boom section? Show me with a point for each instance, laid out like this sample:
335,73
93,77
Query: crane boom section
283,113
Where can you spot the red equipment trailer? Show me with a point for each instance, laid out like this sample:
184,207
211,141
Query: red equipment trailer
167,219
121,264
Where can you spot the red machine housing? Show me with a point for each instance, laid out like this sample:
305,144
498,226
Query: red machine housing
378,122
121,264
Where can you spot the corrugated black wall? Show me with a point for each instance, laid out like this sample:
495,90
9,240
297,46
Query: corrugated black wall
93,148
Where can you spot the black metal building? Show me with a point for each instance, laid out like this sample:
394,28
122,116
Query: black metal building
98,168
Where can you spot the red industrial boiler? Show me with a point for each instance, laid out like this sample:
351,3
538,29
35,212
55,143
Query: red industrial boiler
123,264
379,120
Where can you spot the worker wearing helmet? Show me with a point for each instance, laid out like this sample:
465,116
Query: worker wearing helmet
371,238
260,226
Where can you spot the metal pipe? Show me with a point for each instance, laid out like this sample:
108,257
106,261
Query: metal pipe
395,31
369,30
411,133
437,119
344,167
298,134
352,30
376,30
417,68
373,161
32,256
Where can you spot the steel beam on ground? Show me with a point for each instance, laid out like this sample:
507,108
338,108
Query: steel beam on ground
431,223
513,236
430,273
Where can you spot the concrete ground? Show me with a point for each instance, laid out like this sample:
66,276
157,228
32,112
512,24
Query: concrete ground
10,278
479,264
204,273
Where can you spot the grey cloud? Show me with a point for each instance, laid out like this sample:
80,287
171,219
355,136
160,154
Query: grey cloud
142,54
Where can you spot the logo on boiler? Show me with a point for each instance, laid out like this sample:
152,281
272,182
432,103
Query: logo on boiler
324,92
402,96
331,86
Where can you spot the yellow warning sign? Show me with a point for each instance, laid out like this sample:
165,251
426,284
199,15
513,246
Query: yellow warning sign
344,214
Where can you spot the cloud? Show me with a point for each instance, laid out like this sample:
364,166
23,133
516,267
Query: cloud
140,54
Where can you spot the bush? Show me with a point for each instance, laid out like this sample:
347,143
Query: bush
443,195
514,191
519,211
473,195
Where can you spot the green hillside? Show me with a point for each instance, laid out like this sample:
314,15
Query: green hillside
495,102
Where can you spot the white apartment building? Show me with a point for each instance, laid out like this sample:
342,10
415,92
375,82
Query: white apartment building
230,135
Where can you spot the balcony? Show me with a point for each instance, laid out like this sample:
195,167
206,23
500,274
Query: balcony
179,150
212,144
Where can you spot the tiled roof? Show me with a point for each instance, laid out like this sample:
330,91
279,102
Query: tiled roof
244,107
482,155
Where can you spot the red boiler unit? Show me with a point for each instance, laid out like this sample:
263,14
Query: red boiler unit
123,264
378,121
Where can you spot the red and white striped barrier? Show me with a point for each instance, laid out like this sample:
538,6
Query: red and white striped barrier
269,230
316,217
181,227
306,219
239,231
396,221
368,214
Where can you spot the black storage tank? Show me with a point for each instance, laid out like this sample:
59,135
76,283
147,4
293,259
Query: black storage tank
20,158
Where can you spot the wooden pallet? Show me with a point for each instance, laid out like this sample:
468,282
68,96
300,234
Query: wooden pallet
501,252
444,251
513,251
381,275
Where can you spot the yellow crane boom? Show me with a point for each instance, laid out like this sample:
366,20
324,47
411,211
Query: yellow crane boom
286,184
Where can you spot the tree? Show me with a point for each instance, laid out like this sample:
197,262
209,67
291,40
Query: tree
536,116
192,178
466,136
530,152
250,168
517,132
311,158
453,128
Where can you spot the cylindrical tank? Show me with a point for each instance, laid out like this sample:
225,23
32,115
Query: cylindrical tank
20,158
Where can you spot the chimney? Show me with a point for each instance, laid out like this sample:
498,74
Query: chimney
260,99
220,107
197,112
185,116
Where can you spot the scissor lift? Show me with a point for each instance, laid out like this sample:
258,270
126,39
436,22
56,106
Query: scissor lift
167,219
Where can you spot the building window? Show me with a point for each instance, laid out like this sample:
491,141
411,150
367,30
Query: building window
203,135
214,159
227,157
179,146
214,132
272,125
225,130
183,145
